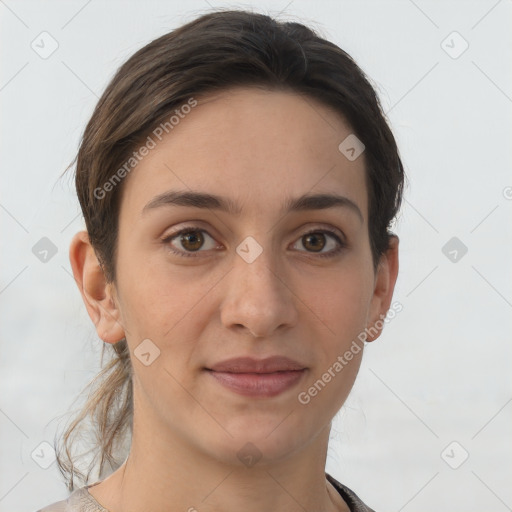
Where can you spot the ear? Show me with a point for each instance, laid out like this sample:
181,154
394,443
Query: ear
385,279
97,294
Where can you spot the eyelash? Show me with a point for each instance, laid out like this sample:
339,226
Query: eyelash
341,245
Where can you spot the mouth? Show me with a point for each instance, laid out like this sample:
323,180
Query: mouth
258,378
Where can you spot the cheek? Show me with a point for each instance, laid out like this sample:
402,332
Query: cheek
160,299
340,301
341,304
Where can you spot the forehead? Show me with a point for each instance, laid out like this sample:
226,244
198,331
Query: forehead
255,146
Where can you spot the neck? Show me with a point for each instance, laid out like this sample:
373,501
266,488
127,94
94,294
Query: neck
175,475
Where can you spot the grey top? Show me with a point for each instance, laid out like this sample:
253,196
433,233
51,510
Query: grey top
81,500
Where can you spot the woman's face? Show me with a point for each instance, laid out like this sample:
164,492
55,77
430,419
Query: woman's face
250,282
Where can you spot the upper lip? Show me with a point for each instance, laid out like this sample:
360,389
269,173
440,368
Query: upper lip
251,365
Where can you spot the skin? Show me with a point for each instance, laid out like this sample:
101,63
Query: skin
258,148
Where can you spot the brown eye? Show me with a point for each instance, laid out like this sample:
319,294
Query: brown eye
314,241
189,241
192,240
325,243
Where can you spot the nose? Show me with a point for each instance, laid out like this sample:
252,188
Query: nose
258,297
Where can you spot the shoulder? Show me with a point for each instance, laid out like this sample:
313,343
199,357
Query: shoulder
78,501
351,498
59,506
81,500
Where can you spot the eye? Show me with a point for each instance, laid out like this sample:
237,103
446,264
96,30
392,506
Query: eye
190,239
315,241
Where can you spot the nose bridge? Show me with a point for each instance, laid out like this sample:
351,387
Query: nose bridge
257,297
255,269
258,270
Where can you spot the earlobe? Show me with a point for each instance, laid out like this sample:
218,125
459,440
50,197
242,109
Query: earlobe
385,280
97,294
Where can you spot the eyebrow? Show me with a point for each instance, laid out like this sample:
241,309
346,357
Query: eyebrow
209,201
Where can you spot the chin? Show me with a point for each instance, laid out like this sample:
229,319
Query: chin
262,441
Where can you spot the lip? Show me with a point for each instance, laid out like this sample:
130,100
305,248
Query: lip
251,365
258,377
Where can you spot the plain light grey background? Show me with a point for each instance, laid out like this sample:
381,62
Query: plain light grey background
427,425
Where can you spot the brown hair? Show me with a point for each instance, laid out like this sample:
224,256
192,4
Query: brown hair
218,50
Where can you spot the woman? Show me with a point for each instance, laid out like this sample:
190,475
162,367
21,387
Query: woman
238,181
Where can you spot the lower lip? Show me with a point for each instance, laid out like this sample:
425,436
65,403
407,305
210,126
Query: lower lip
259,384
